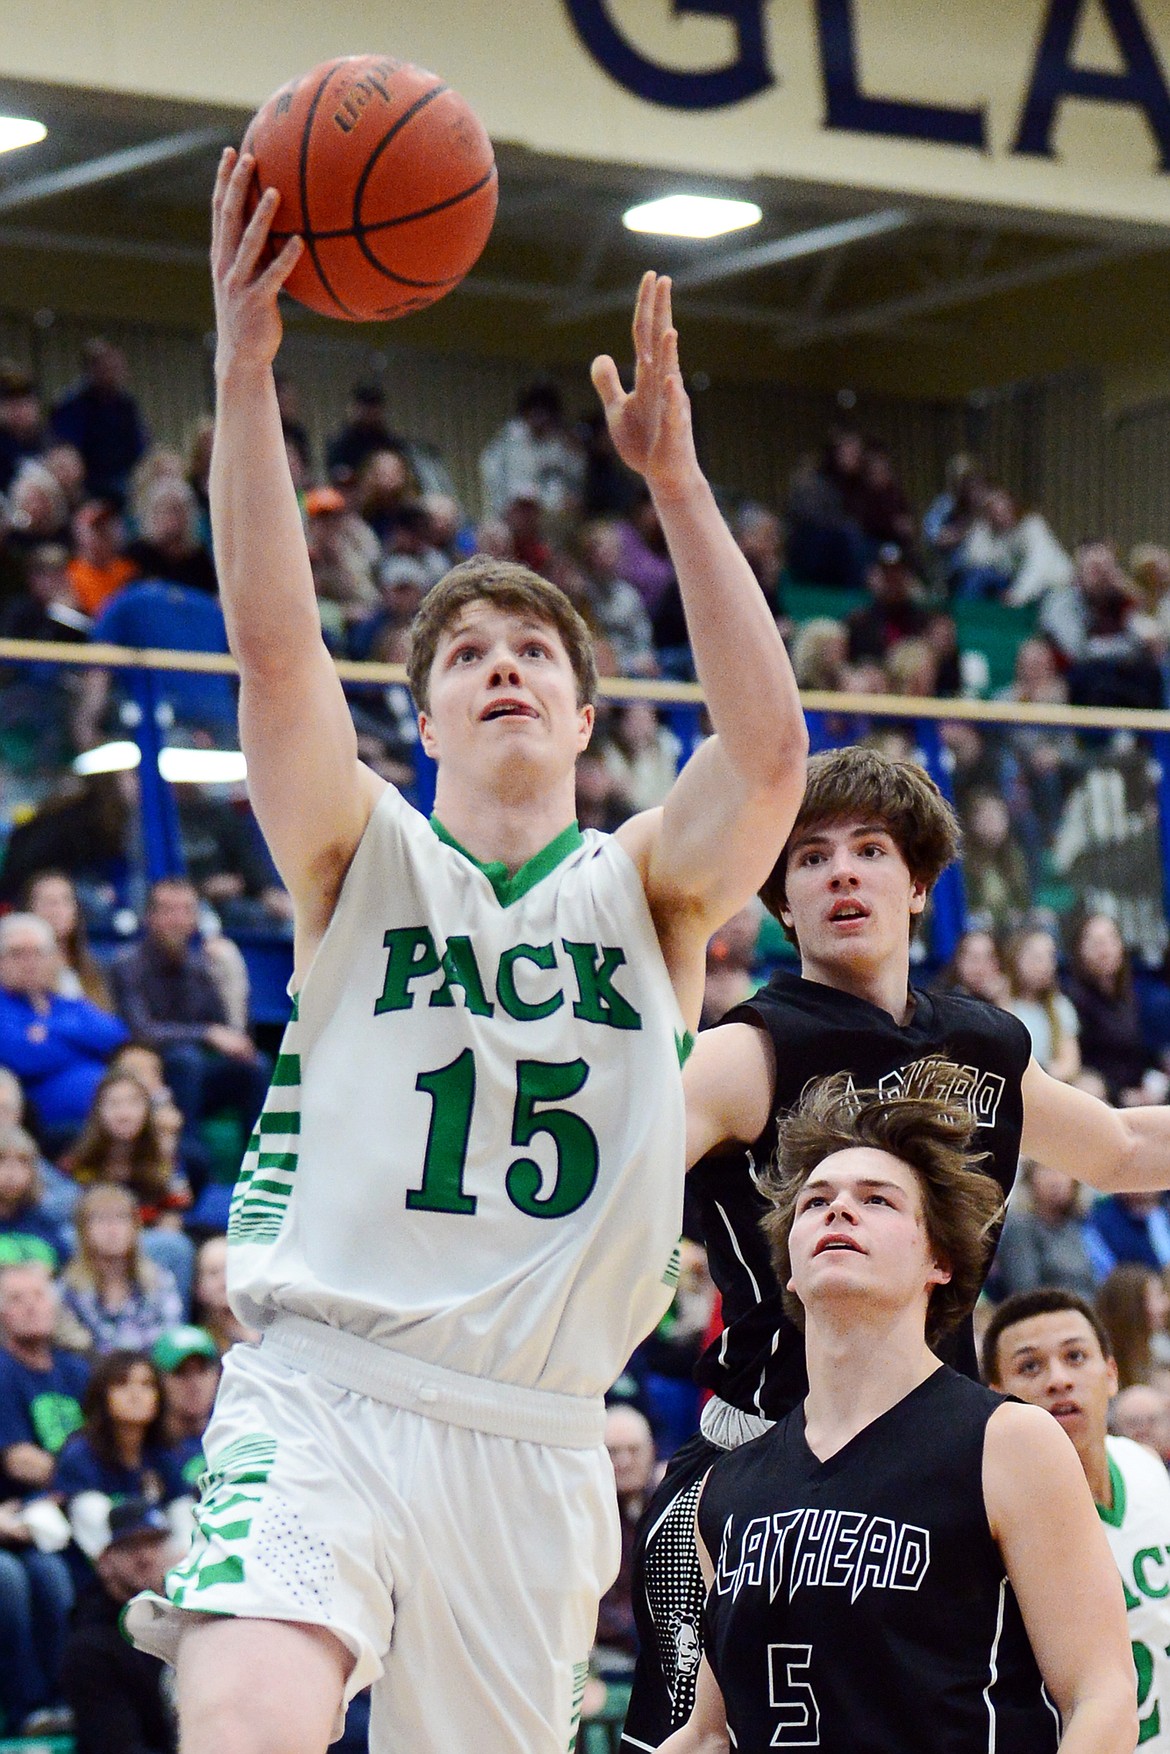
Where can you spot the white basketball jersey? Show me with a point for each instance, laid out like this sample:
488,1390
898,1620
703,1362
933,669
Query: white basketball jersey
472,1151
1138,1528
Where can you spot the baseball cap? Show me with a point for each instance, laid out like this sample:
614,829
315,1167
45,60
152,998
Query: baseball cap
176,1345
135,1517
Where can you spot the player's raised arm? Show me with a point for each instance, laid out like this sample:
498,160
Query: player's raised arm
1120,1150
311,795
725,821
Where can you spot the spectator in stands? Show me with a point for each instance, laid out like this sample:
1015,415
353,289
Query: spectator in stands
120,1144
820,654
1128,1229
188,1362
120,1451
884,511
1134,1306
911,669
58,1047
948,519
525,517
98,566
759,535
601,800
1043,1238
37,508
642,754
892,613
52,896
975,969
296,433
630,1443
198,471
166,990
826,544
644,560
1113,1043
609,488
212,1310
83,827
1009,556
1107,845
28,1232
58,1191
38,701
41,1388
343,553
227,860
168,545
160,463
534,447
22,426
1142,1414
384,486
101,418
122,1299
154,613
995,872
119,1696
365,431
612,605
731,960
1036,999
1095,624
66,465
1045,755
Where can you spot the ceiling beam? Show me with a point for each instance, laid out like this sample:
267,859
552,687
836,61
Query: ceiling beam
108,167
870,319
68,243
728,263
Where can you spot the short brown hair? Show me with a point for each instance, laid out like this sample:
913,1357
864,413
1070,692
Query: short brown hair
857,782
483,579
1045,1300
928,1130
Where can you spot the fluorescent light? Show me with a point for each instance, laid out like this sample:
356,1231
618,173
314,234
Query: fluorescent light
197,767
108,758
691,216
20,131
202,767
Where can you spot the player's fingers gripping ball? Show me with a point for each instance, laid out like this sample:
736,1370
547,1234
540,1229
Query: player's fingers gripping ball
387,175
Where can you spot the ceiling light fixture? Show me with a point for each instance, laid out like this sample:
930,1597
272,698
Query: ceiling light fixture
20,131
691,216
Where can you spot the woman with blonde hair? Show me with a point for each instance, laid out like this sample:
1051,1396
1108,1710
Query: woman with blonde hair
820,654
1042,1008
123,1300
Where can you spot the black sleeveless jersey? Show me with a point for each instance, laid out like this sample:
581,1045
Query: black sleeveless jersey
757,1363
860,1605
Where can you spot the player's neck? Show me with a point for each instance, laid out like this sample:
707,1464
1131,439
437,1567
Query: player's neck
884,984
858,1370
1095,1462
506,830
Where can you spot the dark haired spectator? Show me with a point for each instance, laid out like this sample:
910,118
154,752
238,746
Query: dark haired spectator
82,827
59,1193
644,560
1096,625
100,417
975,968
601,802
28,1231
534,449
1107,846
365,431
609,489
343,555
1100,985
227,860
995,872
187,1359
826,544
1043,1238
759,536
166,989
57,1047
98,567
412,539
119,1452
884,511
22,424
630,1443
1133,1305
384,487
1036,999
119,1696
296,433
1008,555
52,896
642,754
198,473
41,1387
524,516
948,519
38,701
894,611
121,1144
169,545
122,1299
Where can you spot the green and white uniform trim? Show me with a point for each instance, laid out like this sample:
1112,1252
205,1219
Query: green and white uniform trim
1137,1527
472,1150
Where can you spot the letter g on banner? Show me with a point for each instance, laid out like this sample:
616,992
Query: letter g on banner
707,88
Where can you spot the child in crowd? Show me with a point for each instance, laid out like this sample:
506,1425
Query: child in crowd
27,1231
122,1299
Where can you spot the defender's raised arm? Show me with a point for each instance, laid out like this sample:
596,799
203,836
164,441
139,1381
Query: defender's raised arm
724,822
311,795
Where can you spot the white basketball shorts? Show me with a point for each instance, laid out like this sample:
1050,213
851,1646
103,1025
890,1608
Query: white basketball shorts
462,1567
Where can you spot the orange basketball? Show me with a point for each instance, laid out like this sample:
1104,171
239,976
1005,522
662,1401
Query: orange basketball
387,175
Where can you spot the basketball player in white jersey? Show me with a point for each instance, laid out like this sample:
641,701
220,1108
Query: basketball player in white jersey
459,1210
1050,1348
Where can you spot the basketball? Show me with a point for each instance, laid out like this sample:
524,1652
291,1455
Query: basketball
387,175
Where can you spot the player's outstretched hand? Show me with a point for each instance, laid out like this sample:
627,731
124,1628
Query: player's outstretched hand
247,318
651,425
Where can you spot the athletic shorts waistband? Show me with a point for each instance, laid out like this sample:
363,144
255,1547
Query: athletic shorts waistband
418,1386
729,1426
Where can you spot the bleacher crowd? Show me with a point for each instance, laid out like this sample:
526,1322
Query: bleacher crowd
129,1080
